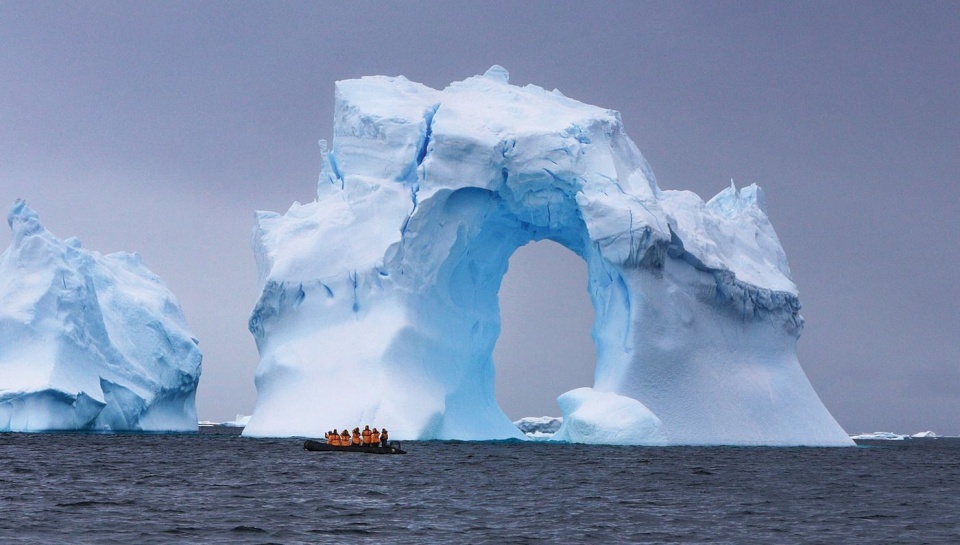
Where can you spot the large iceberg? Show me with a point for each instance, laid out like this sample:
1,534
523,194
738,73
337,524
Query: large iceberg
379,303
89,342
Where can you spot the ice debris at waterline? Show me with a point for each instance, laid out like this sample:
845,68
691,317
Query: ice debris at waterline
379,304
238,422
89,342
539,427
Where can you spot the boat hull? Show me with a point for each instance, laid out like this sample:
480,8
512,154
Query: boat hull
319,446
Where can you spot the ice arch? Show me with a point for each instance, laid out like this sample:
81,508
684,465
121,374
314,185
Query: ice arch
379,300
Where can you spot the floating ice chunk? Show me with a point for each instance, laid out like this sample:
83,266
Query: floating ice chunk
539,427
605,418
238,422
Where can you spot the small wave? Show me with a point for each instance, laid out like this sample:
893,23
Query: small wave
91,503
249,529
876,516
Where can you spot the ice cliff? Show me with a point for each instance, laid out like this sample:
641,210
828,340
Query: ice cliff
89,342
379,301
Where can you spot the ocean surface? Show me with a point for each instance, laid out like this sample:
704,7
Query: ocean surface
221,488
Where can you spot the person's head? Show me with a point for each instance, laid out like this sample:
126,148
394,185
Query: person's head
366,427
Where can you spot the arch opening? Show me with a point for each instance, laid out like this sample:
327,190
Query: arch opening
545,347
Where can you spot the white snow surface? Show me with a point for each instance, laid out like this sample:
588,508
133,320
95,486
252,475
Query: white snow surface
89,342
924,435
379,300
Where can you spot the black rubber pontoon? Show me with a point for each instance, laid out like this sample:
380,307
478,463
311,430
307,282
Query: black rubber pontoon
320,446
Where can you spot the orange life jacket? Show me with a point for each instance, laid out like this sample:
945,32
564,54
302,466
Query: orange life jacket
345,438
367,437
376,437
356,438
335,439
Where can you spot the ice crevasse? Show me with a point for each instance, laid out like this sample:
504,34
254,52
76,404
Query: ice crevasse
89,341
379,300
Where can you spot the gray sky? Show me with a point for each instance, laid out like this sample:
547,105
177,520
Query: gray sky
161,127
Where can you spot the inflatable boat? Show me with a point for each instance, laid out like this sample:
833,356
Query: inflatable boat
320,446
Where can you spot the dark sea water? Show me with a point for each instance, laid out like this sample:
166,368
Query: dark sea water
221,488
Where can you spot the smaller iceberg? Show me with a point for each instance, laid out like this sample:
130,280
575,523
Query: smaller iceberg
89,341
924,435
606,418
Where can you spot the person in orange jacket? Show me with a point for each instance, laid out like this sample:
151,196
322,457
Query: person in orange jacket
375,437
334,438
355,439
367,436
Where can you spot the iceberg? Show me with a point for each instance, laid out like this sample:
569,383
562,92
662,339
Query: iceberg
89,342
379,300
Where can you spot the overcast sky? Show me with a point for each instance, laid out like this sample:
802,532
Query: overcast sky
160,128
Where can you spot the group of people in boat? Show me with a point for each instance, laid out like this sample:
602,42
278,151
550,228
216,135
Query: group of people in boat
367,437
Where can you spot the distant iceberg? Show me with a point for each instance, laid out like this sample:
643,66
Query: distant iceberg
89,342
880,435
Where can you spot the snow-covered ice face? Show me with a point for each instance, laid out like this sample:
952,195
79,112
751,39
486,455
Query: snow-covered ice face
388,283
